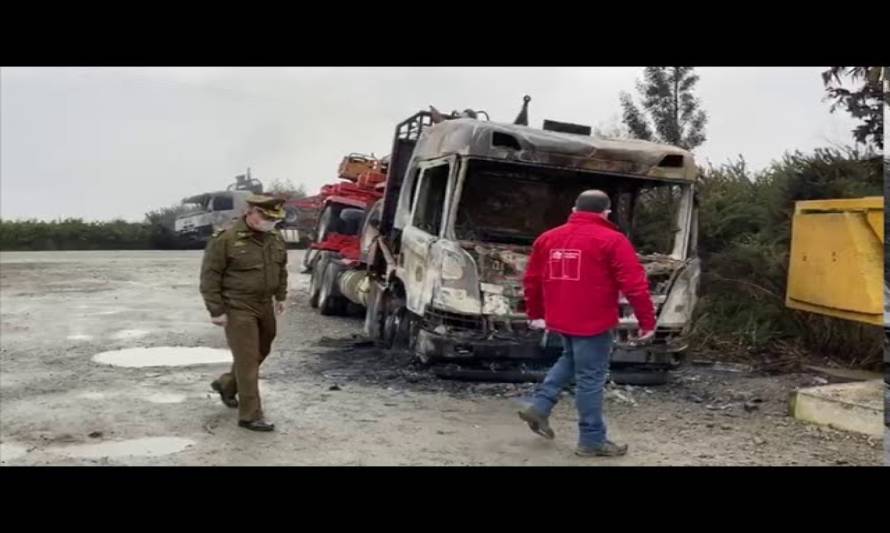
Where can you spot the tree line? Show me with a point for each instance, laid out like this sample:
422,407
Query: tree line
154,232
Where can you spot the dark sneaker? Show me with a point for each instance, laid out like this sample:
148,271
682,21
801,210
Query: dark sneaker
606,449
536,422
228,401
257,425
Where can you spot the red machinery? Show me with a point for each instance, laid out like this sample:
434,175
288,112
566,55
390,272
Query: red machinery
332,217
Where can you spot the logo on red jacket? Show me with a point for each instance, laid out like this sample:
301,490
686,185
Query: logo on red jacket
565,264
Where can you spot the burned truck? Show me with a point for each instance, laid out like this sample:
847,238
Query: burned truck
204,214
444,252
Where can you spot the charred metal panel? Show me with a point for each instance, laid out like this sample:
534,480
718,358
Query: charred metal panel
629,156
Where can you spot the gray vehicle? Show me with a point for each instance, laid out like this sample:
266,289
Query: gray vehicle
465,199
206,213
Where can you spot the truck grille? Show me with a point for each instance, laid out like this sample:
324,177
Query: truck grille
434,318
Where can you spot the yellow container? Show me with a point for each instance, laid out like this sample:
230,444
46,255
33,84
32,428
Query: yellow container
836,266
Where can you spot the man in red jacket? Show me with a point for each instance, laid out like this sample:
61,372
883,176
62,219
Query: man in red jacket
572,284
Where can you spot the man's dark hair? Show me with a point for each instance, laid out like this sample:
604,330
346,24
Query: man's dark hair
593,201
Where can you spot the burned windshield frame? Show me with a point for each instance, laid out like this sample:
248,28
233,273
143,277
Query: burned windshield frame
487,183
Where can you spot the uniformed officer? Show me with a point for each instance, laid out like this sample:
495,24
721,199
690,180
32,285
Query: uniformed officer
244,268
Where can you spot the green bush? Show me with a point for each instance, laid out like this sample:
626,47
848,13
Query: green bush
745,239
72,234
161,225
156,232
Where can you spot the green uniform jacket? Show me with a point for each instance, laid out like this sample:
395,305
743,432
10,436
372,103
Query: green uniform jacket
243,269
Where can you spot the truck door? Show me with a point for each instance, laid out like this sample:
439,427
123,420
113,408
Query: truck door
427,220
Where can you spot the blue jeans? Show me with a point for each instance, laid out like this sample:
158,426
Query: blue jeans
587,360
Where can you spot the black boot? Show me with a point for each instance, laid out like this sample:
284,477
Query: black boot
228,401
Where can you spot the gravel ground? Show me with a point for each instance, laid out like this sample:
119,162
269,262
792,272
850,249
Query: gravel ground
336,399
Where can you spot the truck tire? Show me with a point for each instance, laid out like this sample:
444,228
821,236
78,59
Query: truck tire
317,272
374,312
330,302
308,259
398,323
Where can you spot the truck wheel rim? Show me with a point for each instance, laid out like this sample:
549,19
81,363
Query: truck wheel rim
313,284
323,292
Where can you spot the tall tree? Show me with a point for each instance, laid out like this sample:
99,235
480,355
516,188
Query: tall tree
864,98
670,113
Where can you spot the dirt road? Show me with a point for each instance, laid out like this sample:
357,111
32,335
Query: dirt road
335,400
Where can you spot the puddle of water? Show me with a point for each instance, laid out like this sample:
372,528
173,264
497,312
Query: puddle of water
11,452
147,447
80,337
166,397
130,334
163,356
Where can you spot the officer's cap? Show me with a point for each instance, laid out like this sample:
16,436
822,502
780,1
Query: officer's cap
268,205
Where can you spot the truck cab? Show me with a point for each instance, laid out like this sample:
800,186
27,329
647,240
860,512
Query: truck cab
459,218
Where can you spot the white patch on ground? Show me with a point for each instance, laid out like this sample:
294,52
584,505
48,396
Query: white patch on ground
130,334
105,313
301,283
147,447
166,397
92,396
163,356
80,337
11,452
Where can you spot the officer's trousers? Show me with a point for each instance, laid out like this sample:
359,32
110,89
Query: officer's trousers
250,334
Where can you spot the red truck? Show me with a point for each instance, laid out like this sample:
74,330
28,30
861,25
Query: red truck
331,221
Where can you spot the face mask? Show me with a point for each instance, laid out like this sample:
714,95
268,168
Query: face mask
266,225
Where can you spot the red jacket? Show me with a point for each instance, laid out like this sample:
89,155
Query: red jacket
575,273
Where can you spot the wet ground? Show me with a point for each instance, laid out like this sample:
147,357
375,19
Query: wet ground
106,358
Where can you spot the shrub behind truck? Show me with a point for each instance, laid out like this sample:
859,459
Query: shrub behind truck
440,258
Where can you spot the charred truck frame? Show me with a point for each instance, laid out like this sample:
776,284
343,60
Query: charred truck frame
443,253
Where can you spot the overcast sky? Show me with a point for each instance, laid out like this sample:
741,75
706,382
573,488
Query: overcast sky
99,143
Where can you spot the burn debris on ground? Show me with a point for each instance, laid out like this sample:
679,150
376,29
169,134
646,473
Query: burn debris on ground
354,359
725,391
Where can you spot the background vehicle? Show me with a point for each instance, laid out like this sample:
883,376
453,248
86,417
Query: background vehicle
208,212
